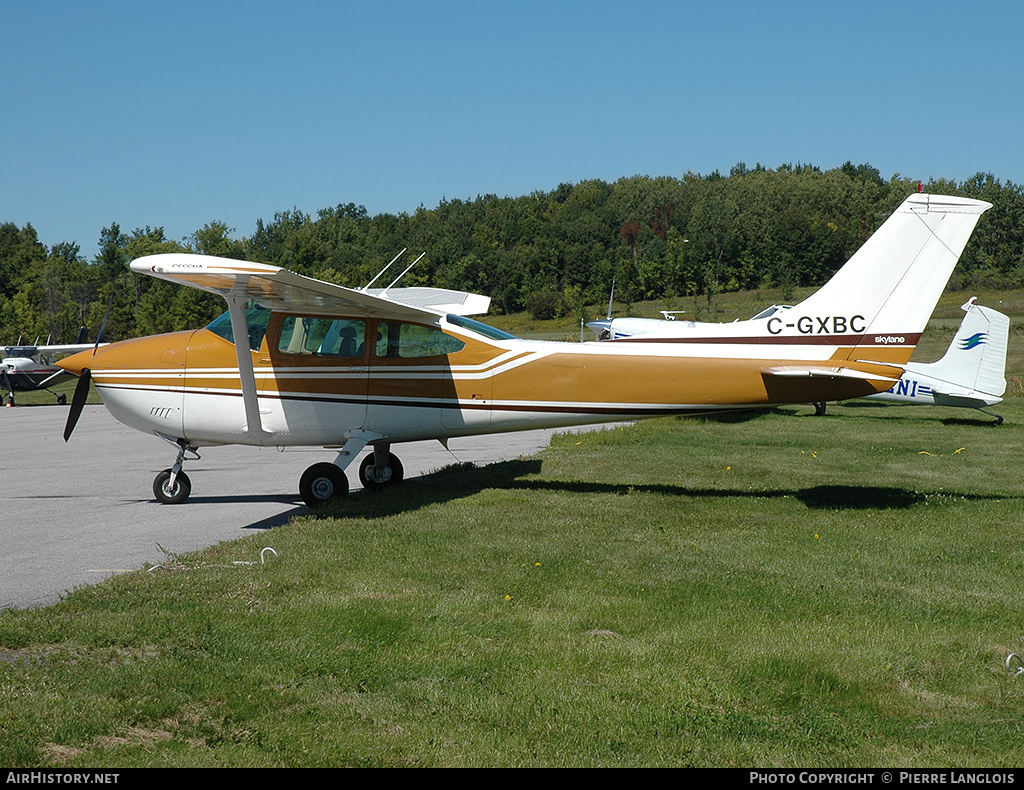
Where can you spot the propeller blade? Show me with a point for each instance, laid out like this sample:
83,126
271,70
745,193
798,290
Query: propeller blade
77,402
106,313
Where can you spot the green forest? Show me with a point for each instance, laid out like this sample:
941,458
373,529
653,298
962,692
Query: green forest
548,253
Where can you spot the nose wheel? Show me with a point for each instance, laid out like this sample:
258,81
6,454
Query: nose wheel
171,492
172,486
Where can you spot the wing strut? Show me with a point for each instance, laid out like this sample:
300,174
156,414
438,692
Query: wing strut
240,333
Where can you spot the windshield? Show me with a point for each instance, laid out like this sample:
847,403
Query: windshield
255,316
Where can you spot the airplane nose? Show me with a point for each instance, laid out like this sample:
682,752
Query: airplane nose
130,377
143,353
76,363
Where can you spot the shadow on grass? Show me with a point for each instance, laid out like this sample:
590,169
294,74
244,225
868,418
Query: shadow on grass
732,417
964,416
464,480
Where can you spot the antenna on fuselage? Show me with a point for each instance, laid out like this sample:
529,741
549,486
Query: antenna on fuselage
399,277
367,286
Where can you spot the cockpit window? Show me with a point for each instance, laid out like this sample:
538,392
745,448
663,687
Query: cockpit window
323,337
255,316
399,340
770,311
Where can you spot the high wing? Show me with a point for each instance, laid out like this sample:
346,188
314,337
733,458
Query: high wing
443,300
277,289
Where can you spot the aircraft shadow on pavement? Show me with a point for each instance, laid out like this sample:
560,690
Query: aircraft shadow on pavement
465,480
278,520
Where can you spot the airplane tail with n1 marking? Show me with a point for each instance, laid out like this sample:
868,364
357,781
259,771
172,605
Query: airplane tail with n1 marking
885,293
972,372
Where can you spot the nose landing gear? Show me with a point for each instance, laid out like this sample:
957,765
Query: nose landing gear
172,486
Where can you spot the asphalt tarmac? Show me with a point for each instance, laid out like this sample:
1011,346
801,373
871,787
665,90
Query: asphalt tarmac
74,514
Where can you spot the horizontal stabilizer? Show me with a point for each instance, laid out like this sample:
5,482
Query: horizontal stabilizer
799,371
967,400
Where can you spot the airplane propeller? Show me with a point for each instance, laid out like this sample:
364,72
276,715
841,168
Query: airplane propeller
77,402
82,387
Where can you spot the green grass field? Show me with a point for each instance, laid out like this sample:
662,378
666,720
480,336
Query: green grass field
766,589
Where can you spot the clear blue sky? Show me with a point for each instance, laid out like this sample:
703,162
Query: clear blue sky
177,114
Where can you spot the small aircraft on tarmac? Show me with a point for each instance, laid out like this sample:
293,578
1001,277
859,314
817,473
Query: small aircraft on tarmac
26,368
300,362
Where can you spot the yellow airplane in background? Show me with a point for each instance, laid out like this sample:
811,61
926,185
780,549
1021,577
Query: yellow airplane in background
300,362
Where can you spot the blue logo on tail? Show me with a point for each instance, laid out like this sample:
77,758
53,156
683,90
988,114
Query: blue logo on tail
975,340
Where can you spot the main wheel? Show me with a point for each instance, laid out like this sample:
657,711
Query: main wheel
389,475
168,494
321,484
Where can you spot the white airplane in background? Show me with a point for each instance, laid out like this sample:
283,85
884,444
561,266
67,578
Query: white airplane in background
26,368
668,327
300,362
971,374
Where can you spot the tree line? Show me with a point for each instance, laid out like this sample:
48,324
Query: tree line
547,252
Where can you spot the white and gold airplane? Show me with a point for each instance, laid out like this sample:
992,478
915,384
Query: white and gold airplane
296,361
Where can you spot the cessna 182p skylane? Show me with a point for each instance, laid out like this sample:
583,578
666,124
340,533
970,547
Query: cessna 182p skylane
346,369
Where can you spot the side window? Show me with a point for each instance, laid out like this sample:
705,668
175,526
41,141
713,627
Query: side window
322,337
397,340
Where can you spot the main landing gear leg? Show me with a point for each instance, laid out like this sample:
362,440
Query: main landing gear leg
172,486
380,469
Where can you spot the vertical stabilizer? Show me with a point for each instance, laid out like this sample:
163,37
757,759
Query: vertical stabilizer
971,374
976,359
890,286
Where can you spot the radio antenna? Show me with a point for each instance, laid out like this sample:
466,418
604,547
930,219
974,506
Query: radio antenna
399,277
367,286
